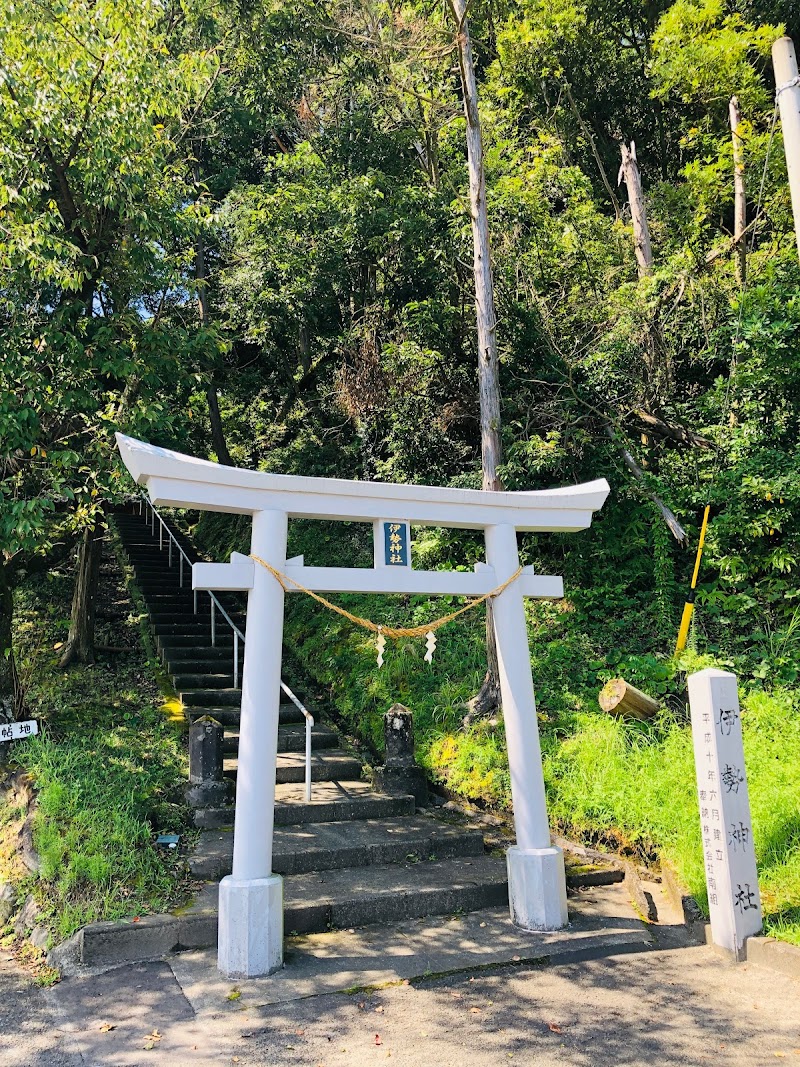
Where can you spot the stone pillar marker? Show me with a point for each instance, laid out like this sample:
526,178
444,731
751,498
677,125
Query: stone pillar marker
207,786
725,823
400,773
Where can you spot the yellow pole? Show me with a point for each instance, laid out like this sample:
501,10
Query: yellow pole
688,607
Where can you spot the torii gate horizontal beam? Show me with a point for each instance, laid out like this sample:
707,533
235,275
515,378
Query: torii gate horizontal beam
176,480
238,575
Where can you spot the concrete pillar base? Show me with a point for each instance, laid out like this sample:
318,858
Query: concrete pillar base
537,888
250,926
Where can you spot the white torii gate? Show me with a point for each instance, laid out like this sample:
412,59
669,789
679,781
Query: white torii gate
251,898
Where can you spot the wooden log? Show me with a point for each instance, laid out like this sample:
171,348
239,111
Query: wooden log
619,697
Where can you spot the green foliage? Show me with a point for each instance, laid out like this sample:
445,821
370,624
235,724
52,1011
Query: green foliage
96,220
317,150
108,769
704,54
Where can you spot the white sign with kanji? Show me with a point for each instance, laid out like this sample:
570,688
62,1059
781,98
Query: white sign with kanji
725,823
15,731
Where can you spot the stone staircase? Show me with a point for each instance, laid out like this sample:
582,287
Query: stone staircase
350,857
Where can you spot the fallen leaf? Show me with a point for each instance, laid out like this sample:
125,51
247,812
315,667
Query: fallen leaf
233,995
458,996
299,1032
136,919
378,1039
555,1028
379,1009
106,1027
151,1040
475,1011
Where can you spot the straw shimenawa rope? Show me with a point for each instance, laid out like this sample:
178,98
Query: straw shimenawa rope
387,631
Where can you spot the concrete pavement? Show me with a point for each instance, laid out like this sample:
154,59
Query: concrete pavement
611,990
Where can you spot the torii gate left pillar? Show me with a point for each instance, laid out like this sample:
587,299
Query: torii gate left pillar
251,904
251,898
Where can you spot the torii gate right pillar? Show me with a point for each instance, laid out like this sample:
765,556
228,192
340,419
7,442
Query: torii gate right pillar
536,878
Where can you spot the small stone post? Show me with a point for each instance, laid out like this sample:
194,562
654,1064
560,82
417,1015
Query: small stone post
400,774
207,787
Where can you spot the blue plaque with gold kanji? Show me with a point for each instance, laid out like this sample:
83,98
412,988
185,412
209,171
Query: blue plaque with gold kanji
395,542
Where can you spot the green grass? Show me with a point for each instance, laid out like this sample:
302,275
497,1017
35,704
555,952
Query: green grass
624,784
108,767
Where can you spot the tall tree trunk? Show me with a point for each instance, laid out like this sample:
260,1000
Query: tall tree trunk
217,432
10,696
629,171
80,642
487,701
740,201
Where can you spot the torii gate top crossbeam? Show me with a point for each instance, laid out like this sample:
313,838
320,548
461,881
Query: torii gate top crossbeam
176,480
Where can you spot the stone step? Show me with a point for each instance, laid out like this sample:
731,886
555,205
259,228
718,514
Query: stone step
176,603
180,602
218,698
183,608
189,619
157,565
200,631
157,561
291,738
143,537
229,717
203,681
363,896
331,765
165,583
209,661
187,616
390,893
169,641
336,801
192,663
334,845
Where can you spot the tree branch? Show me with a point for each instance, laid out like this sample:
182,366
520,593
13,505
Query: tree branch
667,514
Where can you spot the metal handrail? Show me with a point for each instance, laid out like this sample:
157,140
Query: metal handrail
237,633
